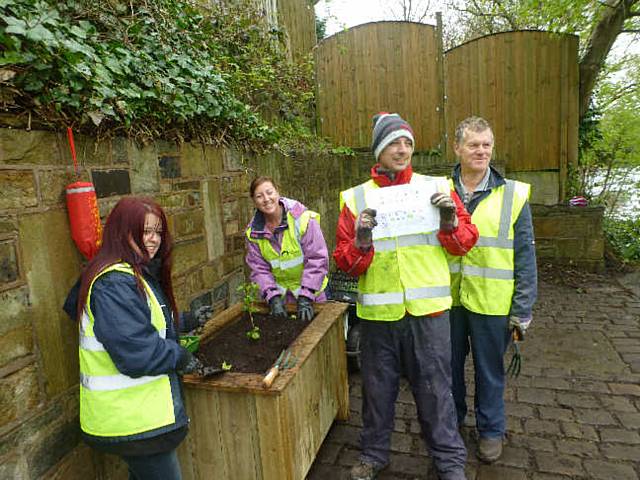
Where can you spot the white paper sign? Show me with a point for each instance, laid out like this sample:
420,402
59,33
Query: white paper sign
404,209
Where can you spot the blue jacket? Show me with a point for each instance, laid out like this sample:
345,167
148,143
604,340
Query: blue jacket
123,326
525,268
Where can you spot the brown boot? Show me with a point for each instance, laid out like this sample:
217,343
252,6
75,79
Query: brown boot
489,449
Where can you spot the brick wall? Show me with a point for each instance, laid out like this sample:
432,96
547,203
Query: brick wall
204,192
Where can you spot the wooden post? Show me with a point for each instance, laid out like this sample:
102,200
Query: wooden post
442,125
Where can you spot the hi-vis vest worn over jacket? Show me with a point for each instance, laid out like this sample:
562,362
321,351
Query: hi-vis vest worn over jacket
408,273
111,403
287,265
483,280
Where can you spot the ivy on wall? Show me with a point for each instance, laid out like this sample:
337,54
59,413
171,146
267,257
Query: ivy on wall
153,69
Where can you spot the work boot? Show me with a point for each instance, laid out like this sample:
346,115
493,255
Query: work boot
366,470
489,449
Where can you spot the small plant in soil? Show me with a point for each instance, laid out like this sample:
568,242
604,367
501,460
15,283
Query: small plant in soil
249,293
226,366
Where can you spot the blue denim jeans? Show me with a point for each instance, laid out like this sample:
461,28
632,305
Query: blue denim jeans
419,349
487,337
160,466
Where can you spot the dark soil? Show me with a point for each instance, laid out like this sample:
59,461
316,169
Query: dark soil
232,346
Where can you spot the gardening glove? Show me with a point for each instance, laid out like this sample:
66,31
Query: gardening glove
203,313
365,222
520,326
447,207
188,363
305,309
276,307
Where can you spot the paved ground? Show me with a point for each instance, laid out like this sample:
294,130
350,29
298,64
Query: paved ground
574,412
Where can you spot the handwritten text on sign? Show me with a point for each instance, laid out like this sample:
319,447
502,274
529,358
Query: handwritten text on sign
404,209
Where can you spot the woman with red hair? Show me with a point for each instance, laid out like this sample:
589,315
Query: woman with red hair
130,395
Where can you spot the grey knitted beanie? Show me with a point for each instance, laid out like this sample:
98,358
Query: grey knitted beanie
386,128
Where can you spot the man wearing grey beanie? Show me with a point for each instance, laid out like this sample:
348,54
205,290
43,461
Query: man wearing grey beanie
403,303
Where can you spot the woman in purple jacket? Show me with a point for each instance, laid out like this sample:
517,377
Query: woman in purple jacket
286,251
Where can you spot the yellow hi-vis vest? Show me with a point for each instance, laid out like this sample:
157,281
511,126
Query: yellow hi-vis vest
408,273
482,280
113,404
287,265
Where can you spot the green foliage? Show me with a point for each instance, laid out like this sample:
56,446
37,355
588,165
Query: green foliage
249,293
321,28
149,69
226,366
624,237
254,333
609,155
348,151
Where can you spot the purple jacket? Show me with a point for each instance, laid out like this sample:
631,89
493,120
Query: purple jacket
314,249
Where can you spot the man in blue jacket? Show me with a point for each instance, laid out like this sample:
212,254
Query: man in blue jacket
494,286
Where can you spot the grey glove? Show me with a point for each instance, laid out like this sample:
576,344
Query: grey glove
276,307
188,363
447,207
203,313
520,326
365,223
305,309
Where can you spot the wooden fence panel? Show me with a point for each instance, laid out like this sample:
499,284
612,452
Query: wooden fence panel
298,19
526,85
382,66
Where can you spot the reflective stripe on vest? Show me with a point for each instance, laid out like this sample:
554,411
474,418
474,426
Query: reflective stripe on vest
483,280
408,273
287,265
113,404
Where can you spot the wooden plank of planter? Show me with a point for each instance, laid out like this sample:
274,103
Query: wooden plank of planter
241,430
300,348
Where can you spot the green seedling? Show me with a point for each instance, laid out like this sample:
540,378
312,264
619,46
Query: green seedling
254,333
226,366
249,293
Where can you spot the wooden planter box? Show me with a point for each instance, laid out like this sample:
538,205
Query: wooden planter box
242,431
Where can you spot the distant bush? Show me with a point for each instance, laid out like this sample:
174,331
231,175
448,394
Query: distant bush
624,237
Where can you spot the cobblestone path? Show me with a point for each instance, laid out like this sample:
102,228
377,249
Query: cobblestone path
574,412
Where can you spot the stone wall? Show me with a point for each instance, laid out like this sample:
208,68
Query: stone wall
569,235
204,192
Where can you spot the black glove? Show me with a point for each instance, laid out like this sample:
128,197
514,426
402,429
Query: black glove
203,313
447,207
188,363
365,223
276,307
305,309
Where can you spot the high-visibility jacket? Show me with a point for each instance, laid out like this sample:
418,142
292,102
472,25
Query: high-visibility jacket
483,280
287,265
113,404
408,273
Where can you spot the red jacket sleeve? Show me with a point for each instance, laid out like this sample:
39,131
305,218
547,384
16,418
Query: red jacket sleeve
462,238
348,257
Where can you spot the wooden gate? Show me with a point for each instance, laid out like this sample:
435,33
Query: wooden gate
524,83
382,66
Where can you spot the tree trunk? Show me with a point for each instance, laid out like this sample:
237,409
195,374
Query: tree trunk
602,38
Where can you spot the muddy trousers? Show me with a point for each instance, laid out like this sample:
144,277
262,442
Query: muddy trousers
419,349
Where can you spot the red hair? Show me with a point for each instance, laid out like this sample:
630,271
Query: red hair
124,223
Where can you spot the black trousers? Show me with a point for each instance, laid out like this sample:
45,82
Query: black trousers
418,348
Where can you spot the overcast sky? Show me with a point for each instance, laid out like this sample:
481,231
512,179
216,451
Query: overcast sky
349,13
